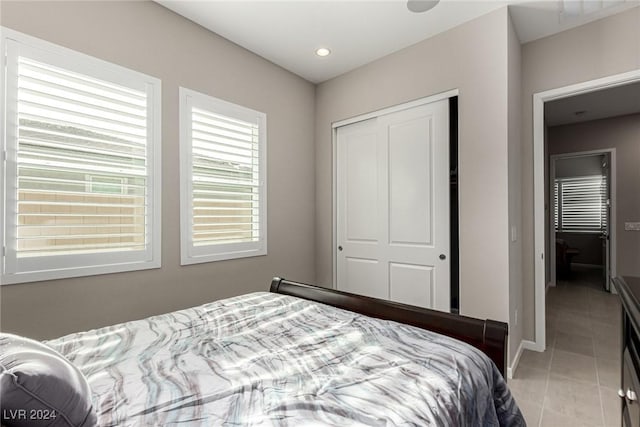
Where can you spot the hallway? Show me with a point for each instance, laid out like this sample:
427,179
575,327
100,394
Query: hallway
575,381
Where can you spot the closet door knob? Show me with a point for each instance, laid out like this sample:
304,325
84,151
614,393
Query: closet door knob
631,395
339,248
442,256
621,393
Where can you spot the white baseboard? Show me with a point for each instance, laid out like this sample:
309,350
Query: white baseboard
524,345
530,345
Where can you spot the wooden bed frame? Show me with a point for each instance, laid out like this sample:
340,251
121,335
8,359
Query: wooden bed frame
487,335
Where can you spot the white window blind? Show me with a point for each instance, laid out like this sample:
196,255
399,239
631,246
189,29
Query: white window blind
581,204
223,179
74,131
80,165
556,204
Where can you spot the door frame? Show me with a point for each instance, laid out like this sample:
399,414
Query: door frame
612,211
334,161
539,255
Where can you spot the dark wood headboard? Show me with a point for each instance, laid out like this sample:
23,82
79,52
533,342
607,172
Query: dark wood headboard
489,336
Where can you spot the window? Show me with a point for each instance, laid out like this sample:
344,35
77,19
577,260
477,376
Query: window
107,184
580,204
223,179
82,148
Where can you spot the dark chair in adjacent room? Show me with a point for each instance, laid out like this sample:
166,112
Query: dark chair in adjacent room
564,255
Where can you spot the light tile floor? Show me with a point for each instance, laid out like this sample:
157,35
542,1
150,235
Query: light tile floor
575,381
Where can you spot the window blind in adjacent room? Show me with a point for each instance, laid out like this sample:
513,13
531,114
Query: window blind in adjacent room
582,204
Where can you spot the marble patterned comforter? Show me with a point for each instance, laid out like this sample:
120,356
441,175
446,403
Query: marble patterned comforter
265,359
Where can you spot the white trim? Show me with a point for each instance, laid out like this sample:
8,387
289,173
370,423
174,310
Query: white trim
3,152
394,109
613,259
538,182
511,370
538,221
190,254
334,213
552,228
524,345
334,161
20,270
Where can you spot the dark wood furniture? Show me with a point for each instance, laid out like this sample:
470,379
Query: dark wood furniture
629,291
487,335
564,256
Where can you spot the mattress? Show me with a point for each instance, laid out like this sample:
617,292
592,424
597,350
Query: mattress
264,359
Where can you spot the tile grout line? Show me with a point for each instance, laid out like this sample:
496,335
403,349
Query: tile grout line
598,381
552,350
591,320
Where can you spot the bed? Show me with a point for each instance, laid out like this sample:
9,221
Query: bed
299,355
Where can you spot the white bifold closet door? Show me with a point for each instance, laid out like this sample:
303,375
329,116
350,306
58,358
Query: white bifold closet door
393,207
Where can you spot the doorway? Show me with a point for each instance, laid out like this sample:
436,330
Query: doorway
541,252
581,196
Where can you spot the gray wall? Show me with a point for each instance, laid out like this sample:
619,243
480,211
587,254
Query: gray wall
473,59
151,39
514,119
589,245
623,134
573,166
601,48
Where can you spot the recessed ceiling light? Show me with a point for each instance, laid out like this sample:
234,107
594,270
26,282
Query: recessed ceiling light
323,51
419,6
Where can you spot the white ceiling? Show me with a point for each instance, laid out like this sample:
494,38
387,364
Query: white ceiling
287,33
